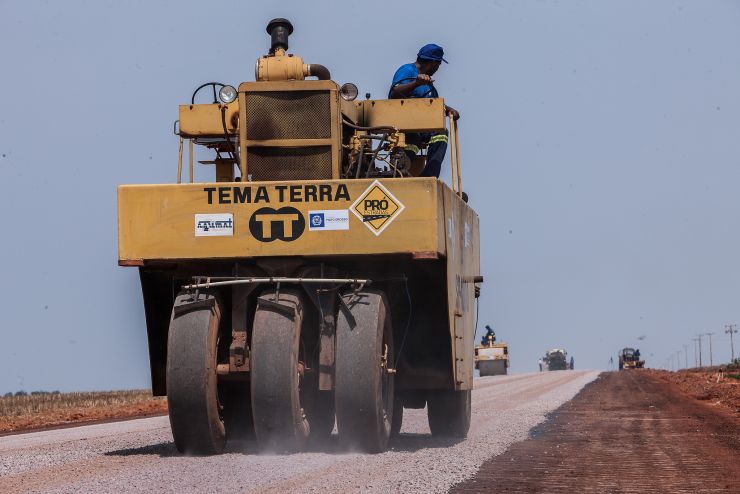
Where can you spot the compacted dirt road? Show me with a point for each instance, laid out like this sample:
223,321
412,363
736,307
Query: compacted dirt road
138,455
627,431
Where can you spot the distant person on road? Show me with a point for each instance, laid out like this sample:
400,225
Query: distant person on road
414,80
489,338
571,363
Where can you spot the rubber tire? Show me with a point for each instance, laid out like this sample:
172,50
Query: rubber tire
492,367
192,383
363,421
280,424
449,413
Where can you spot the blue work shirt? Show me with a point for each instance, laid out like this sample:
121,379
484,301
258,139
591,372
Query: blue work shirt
407,73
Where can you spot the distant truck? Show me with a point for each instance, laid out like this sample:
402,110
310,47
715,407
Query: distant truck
629,358
492,359
556,359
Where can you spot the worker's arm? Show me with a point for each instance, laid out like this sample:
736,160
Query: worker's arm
404,90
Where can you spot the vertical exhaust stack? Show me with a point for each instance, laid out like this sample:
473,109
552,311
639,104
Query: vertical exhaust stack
279,30
277,66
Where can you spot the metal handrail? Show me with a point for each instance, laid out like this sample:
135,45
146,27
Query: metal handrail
455,157
274,279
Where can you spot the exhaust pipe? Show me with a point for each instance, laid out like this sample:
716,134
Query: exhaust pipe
319,71
279,30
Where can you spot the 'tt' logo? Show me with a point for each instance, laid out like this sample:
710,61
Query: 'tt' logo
268,224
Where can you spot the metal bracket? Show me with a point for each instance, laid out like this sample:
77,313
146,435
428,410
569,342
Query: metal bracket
347,312
191,306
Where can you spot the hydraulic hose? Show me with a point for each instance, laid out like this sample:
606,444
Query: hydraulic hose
368,129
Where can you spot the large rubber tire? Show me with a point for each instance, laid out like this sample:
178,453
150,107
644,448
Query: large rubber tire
449,413
492,367
280,423
192,384
364,388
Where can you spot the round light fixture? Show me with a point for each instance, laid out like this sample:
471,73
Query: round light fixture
348,91
227,94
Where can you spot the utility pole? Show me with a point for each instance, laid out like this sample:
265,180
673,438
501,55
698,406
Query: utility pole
696,361
699,349
678,359
731,328
710,349
686,355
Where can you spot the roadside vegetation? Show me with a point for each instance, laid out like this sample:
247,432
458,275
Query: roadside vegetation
22,403
23,411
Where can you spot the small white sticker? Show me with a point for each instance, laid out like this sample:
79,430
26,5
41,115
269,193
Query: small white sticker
328,219
214,225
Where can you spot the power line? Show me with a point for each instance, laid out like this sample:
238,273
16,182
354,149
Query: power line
731,328
711,363
699,335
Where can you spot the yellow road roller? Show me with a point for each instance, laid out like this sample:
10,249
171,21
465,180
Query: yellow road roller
316,280
492,359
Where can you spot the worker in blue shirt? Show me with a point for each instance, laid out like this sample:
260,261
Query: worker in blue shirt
489,338
414,80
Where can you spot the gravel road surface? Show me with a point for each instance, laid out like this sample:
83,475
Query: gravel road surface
138,455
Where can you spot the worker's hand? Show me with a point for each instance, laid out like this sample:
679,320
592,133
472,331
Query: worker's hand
453,113
423,80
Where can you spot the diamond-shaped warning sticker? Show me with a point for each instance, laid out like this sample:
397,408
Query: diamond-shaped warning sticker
377,207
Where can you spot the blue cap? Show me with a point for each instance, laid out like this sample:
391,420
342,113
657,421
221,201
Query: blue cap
432,52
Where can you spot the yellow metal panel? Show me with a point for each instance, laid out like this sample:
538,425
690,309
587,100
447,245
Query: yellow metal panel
352,110
288,86
205,120
409,115
463,265
157,222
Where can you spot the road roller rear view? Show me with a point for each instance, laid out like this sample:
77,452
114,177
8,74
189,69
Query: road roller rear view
316,280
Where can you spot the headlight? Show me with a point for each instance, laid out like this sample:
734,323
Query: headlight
227,94
348,91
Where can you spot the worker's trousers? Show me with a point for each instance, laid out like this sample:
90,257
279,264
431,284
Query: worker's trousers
436,149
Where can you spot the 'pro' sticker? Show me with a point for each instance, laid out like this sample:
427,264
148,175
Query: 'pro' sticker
377,208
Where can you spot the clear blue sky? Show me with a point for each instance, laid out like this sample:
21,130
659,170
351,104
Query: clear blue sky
600,146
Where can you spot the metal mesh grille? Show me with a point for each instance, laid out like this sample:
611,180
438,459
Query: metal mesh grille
288,115
270,163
